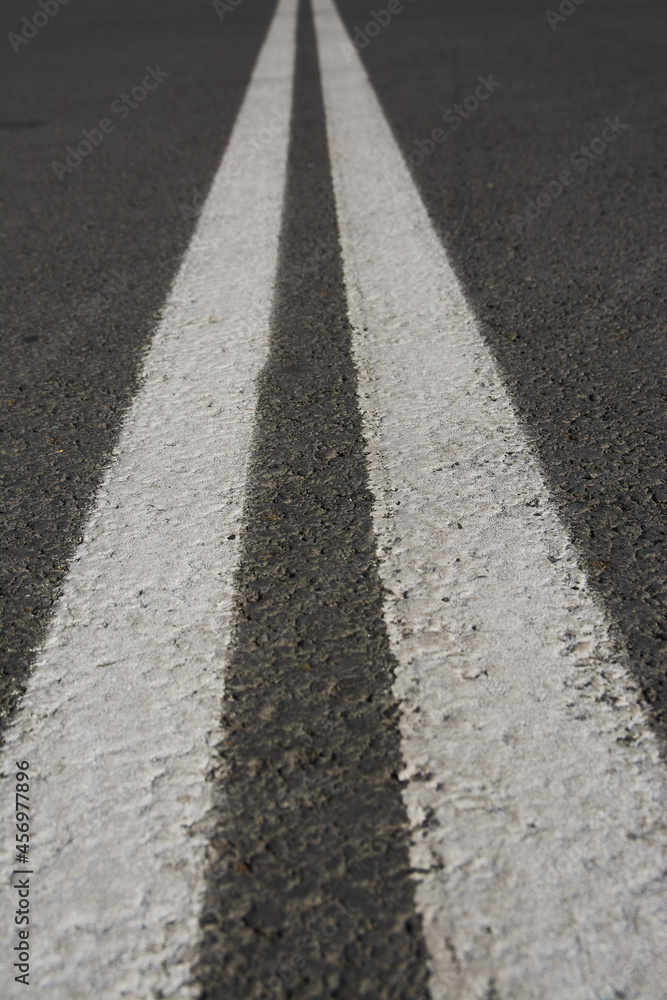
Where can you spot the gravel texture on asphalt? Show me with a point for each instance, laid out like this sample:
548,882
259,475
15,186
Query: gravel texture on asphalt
311,880
88,261
574,305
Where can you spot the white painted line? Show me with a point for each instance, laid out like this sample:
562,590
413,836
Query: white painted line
123,707
534,789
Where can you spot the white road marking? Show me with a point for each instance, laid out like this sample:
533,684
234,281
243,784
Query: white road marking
123,707
534,790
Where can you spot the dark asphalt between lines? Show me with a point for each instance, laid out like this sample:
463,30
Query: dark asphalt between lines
312,831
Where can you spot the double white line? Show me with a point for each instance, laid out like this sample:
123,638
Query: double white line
533,786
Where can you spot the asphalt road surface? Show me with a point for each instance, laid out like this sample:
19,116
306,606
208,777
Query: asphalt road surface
333,500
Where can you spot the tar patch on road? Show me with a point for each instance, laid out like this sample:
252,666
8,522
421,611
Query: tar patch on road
310,893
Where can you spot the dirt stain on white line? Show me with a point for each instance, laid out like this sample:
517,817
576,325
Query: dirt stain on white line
534,788
124,702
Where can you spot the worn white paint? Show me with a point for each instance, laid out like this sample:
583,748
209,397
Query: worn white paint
122,710
535,794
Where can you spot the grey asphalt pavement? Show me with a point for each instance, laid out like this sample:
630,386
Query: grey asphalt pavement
87,261
538,145
572,303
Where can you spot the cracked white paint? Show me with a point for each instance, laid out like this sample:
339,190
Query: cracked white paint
122,710
534,789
